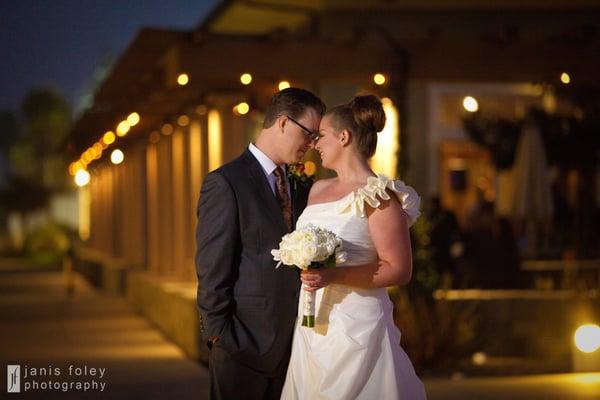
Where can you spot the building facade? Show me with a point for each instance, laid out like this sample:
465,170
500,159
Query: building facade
195,113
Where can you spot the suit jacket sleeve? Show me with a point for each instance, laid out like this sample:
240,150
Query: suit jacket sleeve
217,255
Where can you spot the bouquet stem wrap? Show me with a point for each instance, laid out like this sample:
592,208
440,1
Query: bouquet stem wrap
308,319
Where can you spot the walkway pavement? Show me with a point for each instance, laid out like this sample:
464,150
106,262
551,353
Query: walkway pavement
42,328
45,330
532,387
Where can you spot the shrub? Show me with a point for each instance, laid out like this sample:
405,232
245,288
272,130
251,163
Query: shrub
47,243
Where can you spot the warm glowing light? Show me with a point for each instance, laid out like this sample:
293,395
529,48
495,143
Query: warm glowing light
109,137
97,149
196,158
117,156
589,378
84,212
587,338
154,137
470,104
385,159
214,140
133,118
201,109
246,78
310,168
565,78
283,85
457,164
123,128
82,177
183,120
479,358
167,129
74,167
379,79
241,108
183,79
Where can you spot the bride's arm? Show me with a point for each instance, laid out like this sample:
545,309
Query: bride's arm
389,232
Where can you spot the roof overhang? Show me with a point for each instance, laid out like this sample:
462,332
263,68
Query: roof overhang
259,17
144,79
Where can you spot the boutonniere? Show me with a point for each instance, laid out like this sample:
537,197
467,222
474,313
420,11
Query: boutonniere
296,173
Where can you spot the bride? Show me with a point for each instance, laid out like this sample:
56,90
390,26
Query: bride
354,352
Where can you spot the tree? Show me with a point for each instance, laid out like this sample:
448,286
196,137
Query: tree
36,155
37,167
9,130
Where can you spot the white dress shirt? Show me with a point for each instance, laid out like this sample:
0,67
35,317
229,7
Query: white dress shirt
268,167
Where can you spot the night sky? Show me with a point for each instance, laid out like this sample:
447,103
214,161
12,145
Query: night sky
59,43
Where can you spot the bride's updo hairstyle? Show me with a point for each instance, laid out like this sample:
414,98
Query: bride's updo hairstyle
363,116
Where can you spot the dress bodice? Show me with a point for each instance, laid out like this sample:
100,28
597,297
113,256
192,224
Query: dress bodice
347,216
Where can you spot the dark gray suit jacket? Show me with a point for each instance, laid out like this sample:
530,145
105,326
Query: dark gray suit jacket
242,298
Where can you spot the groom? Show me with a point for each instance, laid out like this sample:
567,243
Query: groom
247,307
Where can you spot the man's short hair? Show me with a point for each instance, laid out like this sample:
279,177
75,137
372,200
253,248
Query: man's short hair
291,102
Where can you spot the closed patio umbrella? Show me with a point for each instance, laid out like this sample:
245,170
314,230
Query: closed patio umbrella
532,196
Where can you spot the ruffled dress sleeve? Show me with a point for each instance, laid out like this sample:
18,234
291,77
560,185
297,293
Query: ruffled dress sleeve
374,190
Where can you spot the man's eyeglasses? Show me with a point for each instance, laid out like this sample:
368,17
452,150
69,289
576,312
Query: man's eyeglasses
313,136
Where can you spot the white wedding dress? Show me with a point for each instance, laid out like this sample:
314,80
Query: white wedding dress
353,352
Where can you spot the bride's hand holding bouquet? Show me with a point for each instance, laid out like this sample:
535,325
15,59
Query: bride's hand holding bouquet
309,247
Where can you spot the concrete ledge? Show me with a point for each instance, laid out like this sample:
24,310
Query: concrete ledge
103,272
171,306
515,294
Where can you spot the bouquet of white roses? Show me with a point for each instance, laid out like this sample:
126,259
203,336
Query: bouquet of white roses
309,247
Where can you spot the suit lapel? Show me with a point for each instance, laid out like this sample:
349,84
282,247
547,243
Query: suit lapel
261,183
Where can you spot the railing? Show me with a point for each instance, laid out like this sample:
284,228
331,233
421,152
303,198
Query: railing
514,294
564,274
